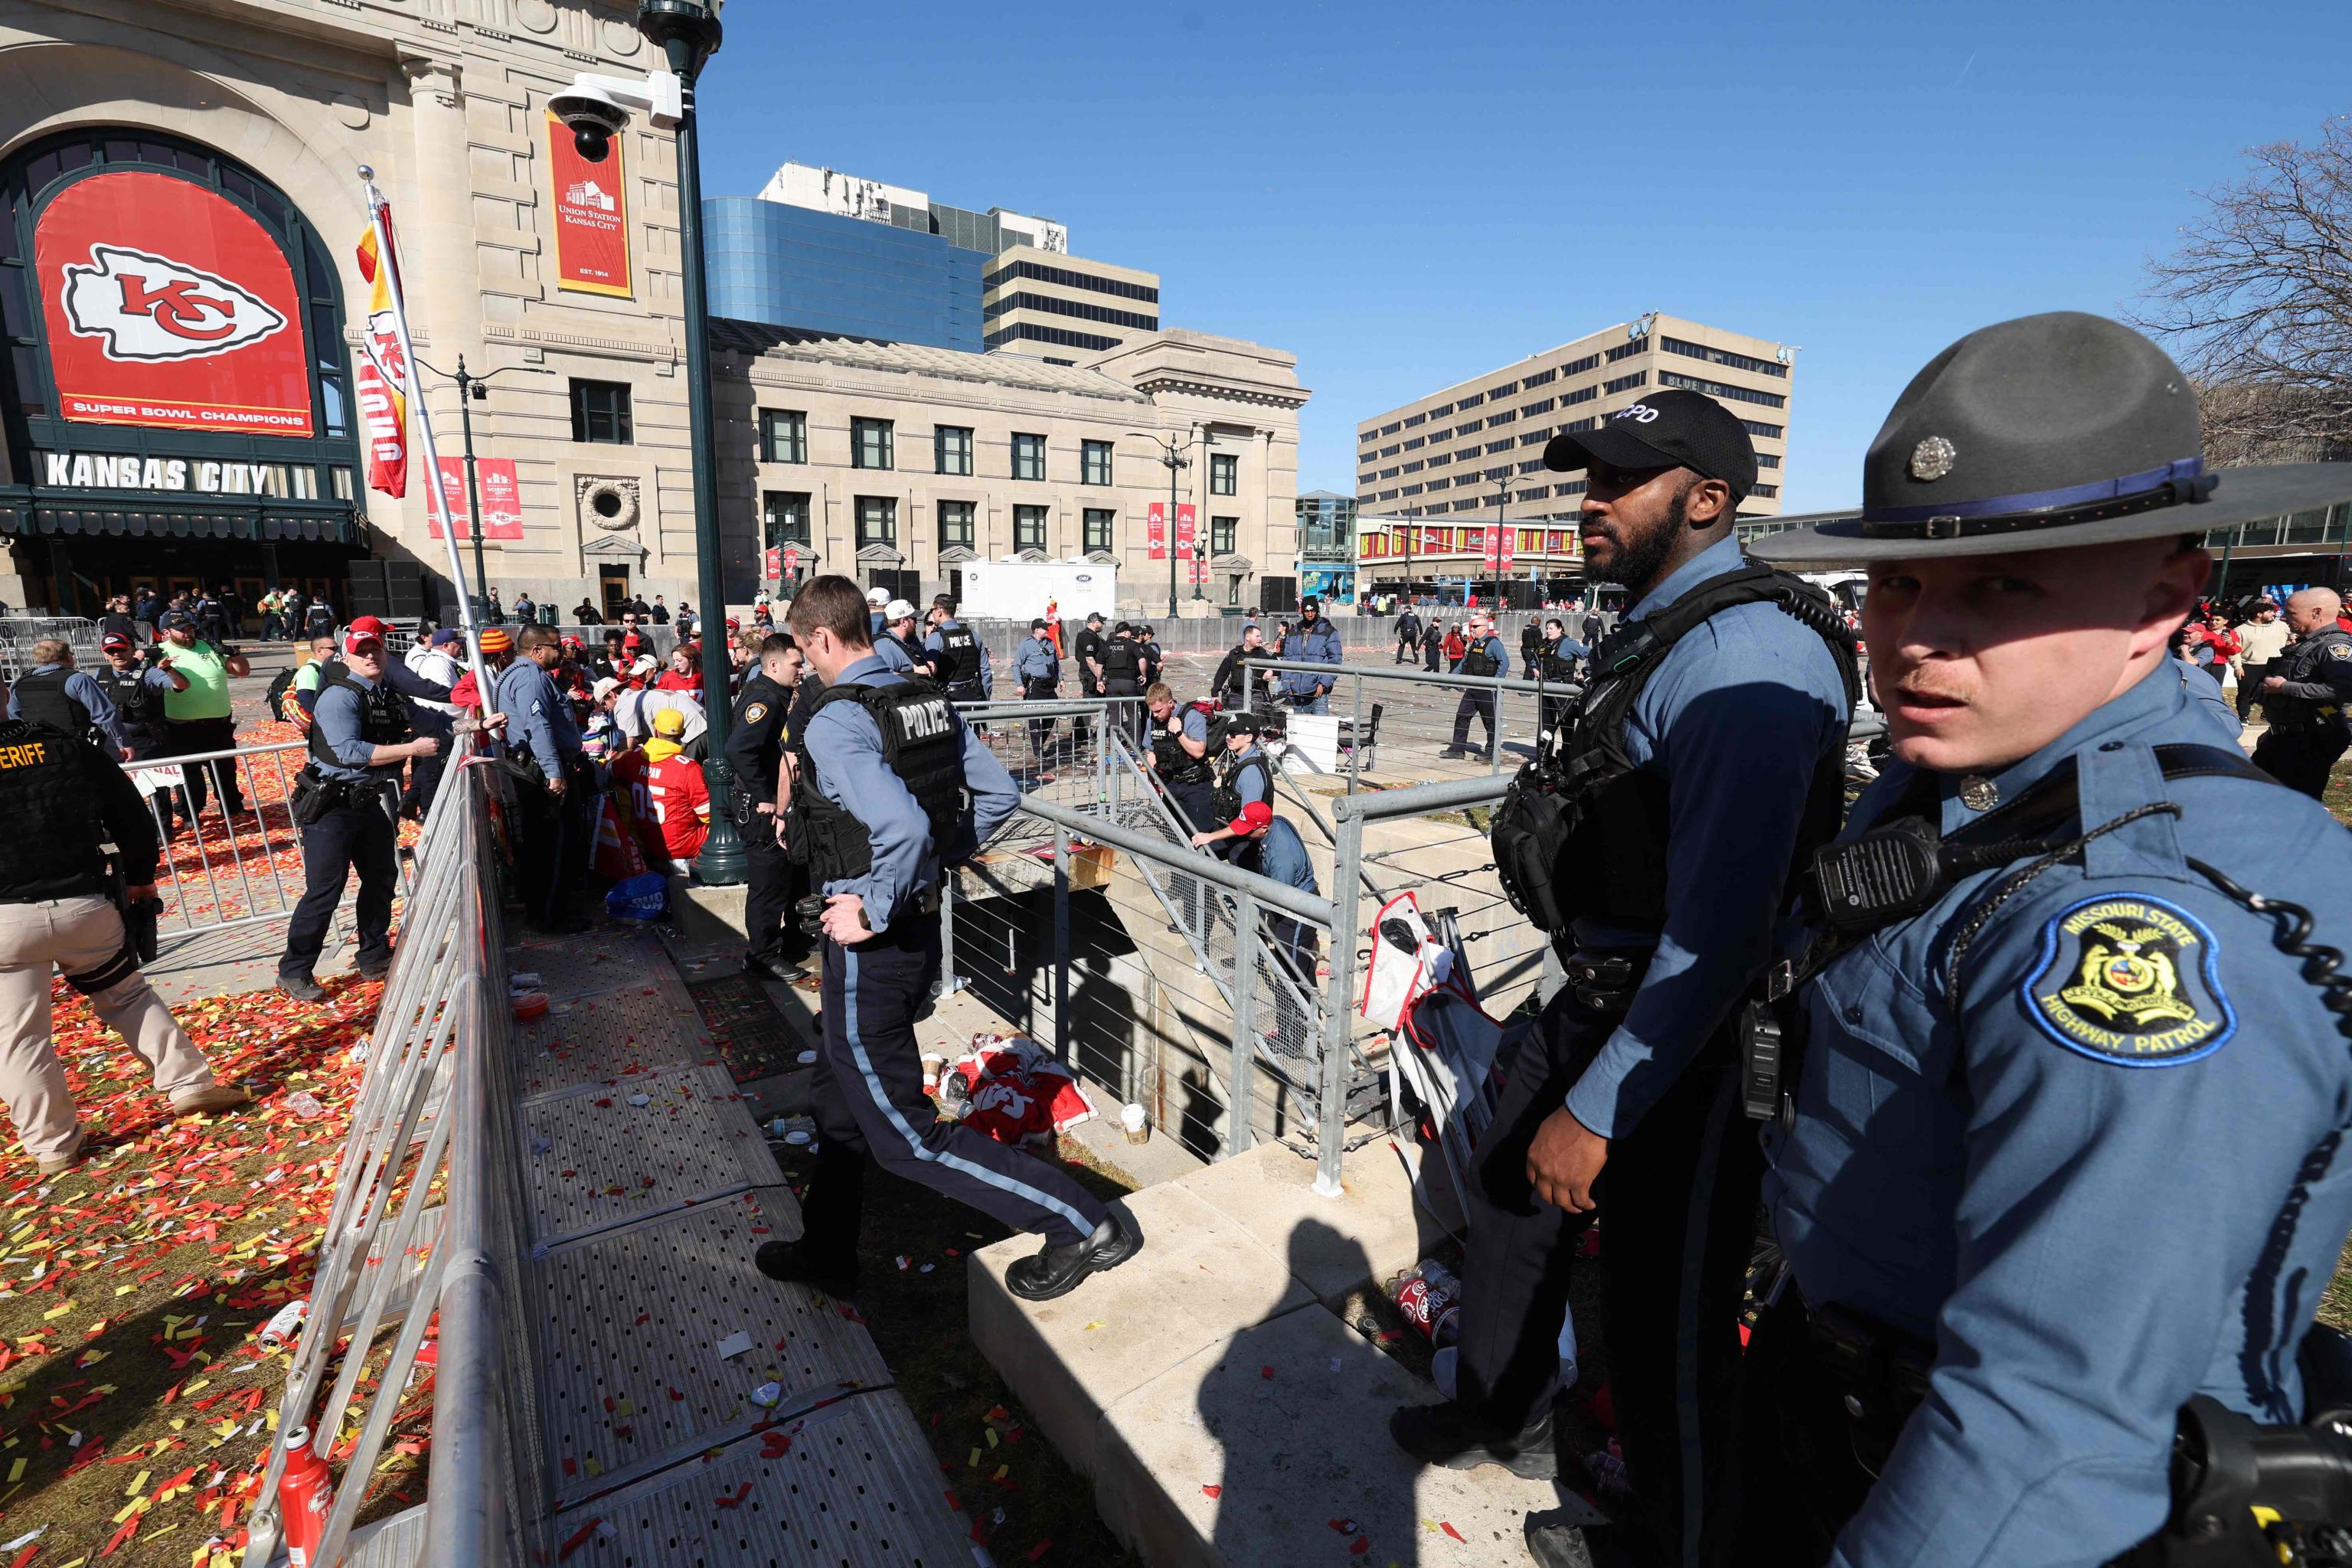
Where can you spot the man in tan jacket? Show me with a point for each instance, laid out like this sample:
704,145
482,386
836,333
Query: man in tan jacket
2264,637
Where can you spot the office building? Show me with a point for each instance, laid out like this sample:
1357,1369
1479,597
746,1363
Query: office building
1327,545
1476,448
839,253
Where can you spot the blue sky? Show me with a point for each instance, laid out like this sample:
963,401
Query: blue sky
1405,195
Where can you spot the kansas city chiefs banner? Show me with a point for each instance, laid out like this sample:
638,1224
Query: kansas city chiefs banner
380,381
1155,529
168,306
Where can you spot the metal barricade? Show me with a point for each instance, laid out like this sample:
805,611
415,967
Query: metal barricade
389,1255
19,632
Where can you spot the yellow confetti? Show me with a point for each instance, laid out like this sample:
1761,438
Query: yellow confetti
126,1289
1000,1469
16,1470
1093,1326
137,1484
972,1463
59,1310
992,1438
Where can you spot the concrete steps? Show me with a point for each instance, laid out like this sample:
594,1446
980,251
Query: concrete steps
1225,1413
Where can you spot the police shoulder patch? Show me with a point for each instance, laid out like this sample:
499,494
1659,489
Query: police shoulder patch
2132,979
754,713
2340,650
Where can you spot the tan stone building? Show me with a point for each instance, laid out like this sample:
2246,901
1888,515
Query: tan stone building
123,464
1475,449
898,463
1064,307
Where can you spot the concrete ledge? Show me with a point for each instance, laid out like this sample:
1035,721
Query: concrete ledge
1199,1279
1288,1422
1331,1245
706,914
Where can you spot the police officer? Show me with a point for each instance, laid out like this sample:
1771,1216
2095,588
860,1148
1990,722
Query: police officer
878,612
1408,632
2305,696
1038,668
347,803
2094,1022
756,744
896,643
1236,685
1485,656
957,659
1312,641
55,693
1180,756
1688,786
62,800
1245,778
544,736
1087,650
1557,658
1120,671
878,809
136,687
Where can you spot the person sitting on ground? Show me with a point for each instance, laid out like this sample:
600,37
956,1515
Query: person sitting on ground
672,792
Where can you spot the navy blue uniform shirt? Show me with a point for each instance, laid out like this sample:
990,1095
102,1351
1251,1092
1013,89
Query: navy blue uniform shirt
845,744
2106,1177
1737,716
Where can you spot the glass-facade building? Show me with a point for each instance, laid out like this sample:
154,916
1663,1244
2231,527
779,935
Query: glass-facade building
785,266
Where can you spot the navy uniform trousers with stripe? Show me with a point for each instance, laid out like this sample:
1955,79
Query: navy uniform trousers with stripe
868,1098
1678,1210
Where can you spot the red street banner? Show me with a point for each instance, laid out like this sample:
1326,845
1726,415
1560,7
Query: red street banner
775,564
168,306
1510,538
591,218
791,559
501,498
1185,536
1155,529
1493,545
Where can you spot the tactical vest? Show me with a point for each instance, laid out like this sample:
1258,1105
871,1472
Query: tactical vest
1227,802
1553,665
139,705
384,718
1477,661
2308,660
42,700
920,744
959,659
1177,765
1121,660
45,799
1581,832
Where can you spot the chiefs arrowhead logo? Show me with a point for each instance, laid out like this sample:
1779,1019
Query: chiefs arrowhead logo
149,308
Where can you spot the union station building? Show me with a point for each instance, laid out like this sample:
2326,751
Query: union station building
181,297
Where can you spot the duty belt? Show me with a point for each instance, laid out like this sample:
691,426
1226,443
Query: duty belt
1880,1374
1605,979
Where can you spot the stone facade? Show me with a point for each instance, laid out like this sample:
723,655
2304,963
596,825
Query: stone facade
447,99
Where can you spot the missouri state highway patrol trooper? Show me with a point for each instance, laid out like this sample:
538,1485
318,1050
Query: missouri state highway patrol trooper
1487,656
959,660
1038,668
2064,1166
544,737
2307,696
755,750
1654,842
890,790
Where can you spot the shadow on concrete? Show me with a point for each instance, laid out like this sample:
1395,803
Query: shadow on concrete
1260,1415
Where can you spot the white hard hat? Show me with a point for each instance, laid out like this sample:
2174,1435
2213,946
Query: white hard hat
898,610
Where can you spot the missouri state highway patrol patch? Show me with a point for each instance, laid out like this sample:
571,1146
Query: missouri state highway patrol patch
2131,979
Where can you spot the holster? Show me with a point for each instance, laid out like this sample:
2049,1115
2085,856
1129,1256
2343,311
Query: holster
315,795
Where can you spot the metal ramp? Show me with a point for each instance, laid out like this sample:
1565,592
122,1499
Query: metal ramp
690,1410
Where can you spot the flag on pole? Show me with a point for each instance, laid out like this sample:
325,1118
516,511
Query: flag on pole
381,376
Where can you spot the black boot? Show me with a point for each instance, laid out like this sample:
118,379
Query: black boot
1057,1270
1555,1543
785,1262
1450,1436
767,966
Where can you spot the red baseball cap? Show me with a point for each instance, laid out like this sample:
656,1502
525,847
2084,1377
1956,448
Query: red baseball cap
116,639
370,626
1254,815
358,637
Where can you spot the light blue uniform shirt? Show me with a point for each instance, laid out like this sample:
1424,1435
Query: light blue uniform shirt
1318,644
539,717
337,712
1034,660
2112,1176
92,697
2203,690
847,746
892,653
1737,716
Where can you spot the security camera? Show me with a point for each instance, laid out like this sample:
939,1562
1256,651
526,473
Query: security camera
597,108
594,115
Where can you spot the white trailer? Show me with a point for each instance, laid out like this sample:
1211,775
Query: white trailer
1020,590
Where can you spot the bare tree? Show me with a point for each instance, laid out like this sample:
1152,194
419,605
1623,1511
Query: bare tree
2257,303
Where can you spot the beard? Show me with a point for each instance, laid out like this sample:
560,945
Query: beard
1641,557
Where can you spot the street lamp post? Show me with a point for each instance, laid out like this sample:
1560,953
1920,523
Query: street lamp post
1169,457
471,389
688,33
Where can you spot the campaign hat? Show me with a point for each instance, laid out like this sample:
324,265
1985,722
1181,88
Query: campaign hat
1669,428
2044,433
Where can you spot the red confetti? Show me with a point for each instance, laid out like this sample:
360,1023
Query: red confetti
1358,1546
735,1498
1039,1550
1447,1526
1212,1491
1266,1373
578,1539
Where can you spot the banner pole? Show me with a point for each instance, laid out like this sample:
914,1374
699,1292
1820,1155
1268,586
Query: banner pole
437,498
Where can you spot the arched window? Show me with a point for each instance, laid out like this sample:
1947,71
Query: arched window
115,301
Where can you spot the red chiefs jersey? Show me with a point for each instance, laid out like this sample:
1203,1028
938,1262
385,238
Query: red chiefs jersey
681,801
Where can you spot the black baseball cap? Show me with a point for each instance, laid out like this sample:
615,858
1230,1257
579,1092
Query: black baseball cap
1670,428
1036,626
